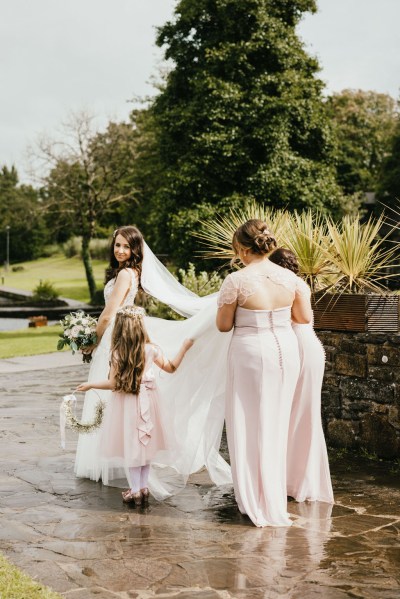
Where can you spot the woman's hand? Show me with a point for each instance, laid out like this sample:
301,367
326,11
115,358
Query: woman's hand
88,349
84,387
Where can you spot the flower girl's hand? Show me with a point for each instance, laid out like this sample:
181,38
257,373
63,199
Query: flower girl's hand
83,387
187,344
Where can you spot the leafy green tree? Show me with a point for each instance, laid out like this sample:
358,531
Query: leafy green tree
88,178
146,177
20,210
241,113
364,122
389,175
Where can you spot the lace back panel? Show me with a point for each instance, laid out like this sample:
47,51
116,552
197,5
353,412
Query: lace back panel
239,286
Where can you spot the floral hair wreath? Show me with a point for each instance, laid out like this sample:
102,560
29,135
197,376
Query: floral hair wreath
132,311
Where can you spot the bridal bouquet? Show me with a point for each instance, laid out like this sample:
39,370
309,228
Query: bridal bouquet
79,331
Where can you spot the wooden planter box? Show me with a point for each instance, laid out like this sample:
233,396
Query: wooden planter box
37,321
359,313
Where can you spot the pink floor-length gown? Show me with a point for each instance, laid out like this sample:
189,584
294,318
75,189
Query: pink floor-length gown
263,366
308,475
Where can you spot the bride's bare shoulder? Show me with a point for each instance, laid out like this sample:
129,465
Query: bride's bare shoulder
126,274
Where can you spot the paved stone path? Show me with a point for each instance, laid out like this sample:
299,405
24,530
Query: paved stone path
77,537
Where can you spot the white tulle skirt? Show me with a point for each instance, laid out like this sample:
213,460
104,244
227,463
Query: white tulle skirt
191,403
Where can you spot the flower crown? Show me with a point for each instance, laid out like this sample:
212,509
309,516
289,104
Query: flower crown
134,312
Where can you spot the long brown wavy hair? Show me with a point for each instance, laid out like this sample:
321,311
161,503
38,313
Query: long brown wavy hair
128,343
135,239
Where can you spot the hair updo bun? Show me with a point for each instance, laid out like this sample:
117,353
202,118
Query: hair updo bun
254,235
264,242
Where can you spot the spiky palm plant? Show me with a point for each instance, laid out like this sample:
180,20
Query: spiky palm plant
306,234
359,255
217,235
348,256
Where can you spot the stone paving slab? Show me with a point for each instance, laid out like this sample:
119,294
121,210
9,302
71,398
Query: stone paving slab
39,362
77,537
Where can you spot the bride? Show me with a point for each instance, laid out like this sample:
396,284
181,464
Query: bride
192,400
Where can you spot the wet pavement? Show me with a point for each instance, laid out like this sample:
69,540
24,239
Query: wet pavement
77,537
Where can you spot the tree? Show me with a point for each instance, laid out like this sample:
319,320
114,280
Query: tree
241,114
364,122
21,211
389,174
88,177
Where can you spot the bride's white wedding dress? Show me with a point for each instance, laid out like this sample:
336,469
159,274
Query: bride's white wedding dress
191,400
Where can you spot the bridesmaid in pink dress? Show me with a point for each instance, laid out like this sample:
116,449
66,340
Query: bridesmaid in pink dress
308,476
259,302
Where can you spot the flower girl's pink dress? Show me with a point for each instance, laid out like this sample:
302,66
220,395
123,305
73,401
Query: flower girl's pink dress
132,432
263,367
308,475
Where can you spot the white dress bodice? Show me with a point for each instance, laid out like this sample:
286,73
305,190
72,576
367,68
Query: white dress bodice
129,299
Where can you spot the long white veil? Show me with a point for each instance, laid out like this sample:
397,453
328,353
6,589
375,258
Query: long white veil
192,399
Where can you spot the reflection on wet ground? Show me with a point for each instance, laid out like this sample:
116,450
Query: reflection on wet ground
77,537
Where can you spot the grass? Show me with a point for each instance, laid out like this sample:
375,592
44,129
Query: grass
14,584
29,342
66,274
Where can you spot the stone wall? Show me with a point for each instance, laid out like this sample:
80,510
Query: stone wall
360,395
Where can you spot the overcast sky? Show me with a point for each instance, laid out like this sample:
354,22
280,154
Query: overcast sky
63,55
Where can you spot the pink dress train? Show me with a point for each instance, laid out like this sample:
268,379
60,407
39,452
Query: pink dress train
263,367
132,432
308,476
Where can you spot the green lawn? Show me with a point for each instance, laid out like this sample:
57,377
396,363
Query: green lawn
29,342
66,274
14,584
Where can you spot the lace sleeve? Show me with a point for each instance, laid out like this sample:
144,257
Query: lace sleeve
228,293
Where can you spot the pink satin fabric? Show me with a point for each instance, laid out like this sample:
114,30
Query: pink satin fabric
263,367
132,432
308,476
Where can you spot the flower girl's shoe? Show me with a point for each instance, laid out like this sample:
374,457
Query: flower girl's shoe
129,497
145,497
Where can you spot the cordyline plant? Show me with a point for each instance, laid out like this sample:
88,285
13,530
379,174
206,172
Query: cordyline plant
306,235
217,234
344,257
359,255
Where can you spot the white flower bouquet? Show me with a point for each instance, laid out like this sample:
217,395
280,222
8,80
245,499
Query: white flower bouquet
79,331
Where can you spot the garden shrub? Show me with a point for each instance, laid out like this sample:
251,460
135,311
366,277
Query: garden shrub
45,291
202,284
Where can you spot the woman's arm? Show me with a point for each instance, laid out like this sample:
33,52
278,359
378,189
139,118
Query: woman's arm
172,365
226,317
121,288
227,303
301,308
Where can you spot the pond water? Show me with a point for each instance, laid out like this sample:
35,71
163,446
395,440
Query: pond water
13,324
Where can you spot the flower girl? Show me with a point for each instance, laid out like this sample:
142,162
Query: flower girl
132,430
